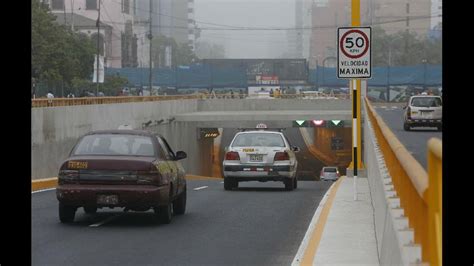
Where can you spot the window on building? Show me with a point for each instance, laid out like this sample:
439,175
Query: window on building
91,4
126,6
190,10
408,8
57,4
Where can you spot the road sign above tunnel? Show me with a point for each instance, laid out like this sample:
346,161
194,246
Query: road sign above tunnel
318,123
354,53
208,133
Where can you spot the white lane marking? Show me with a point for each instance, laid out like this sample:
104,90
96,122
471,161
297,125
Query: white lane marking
43,190
106,220
311,228
199,188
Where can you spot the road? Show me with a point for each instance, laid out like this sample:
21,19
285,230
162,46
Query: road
308,166
416,140
258,224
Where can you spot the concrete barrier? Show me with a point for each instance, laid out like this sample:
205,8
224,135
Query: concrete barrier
395,240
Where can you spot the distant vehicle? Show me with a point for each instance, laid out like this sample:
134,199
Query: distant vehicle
423,111
329,173
260,155
133,169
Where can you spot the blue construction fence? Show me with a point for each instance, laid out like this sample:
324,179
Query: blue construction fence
419,75
206,76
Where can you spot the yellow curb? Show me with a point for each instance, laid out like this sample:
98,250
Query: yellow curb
199,177
313,244
38,184
45,183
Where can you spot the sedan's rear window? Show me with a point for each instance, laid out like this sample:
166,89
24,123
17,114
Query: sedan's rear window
426,102
114,144
330,170
258,140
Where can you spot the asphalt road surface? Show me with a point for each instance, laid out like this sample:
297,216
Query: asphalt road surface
416,140
308,166
258,224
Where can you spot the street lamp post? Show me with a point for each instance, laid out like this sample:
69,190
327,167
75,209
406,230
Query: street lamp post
424,61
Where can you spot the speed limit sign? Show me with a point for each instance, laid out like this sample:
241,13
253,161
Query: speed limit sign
353,53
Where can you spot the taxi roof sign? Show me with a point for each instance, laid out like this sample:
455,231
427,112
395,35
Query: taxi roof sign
261,125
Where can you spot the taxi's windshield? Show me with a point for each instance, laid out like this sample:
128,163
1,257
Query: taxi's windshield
258,140
113,144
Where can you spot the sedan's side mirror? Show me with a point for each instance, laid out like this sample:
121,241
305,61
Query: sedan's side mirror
180,155
295,149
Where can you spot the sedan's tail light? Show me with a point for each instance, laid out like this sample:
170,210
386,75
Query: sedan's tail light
232,156
281,156
68,176
148,177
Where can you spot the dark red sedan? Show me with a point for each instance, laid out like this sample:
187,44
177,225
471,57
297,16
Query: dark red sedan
132,169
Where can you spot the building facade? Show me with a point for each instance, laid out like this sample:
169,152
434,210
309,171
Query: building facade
392,16
121,41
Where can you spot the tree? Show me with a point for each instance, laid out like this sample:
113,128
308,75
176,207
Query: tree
210,50
406,48
58,55
181,54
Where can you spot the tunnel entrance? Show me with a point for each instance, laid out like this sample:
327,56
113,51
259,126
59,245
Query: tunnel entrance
318,148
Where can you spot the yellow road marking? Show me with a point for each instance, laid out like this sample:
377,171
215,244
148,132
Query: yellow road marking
313,244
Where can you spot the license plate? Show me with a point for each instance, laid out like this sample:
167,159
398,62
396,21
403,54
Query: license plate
107,199
256,157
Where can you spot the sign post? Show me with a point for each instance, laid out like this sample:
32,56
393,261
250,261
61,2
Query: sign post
354,62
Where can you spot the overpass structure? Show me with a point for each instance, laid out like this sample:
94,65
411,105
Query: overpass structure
406,198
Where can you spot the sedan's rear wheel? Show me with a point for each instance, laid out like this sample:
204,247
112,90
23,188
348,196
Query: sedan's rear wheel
165,213
66,213
179,204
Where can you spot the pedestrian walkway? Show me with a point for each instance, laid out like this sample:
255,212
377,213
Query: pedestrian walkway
349,232
342,232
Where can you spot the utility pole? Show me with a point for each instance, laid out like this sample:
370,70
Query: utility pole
98,51
72,15
150,37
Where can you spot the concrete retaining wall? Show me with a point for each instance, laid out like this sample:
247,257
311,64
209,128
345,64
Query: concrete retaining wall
272,104
55,130
394,238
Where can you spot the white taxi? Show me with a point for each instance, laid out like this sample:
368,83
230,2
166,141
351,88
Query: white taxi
260,155
424,111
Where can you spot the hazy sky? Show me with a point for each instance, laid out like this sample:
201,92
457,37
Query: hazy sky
247,13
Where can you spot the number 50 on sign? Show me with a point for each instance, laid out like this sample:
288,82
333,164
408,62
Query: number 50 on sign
353,53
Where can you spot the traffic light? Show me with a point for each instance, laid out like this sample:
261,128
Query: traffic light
318,123
336,123
300,123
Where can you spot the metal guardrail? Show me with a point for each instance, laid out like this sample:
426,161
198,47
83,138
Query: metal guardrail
420,192
44,102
